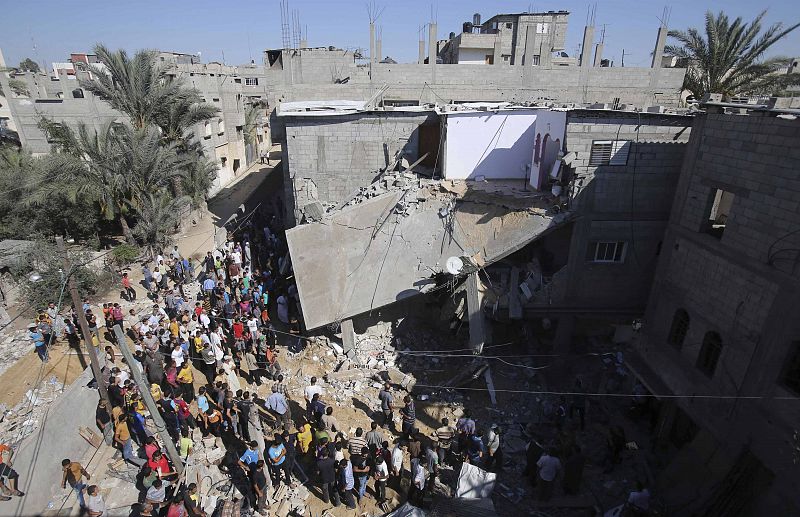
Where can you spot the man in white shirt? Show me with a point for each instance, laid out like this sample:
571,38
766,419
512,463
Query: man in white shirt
236,257
398,453
95,506
252,326
308,394
157,276
177,355
205,321
549,467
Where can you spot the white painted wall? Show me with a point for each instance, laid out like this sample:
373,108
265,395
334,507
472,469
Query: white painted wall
553,125
473,56
497,145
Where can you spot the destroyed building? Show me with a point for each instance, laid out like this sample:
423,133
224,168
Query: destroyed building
579,197
718,327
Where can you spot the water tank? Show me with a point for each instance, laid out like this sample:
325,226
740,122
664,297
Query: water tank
452,35
466,28
476,19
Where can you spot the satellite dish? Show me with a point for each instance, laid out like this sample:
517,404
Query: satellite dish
454,265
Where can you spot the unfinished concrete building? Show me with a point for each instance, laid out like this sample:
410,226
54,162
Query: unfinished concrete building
716,331
511,39
590,190
58,96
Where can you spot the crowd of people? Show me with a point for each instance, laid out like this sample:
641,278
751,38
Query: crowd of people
232,331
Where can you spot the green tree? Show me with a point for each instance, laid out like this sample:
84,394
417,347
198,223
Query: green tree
159,218
29,65
117,167
729,57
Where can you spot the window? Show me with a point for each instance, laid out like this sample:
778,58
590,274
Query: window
223,161
238,80
791,373
609,152
679,328
542,28
239,132
506,57
207,129
251,81
509,25
717,210
535,60
221,127
489,59
236,165
709,353
613,251
77,93
215,99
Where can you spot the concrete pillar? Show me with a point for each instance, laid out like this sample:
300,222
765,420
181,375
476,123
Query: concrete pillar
2,59
658,52
432,50
303,43
378,51
348,338
371,43
586,48
530,51
498,53
421,52
598,53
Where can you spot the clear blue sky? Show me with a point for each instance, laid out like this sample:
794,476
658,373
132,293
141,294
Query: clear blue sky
241,30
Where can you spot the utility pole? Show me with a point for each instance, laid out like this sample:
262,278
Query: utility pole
144,390
87,334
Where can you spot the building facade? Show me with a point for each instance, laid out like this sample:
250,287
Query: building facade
718,331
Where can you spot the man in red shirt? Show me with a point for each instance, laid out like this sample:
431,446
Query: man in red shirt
130,292
161,465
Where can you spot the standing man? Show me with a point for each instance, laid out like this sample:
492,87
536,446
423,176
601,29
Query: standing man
38,342
73,472
326,468
409,414
373,436
444,435
103,421
309,393
549,467
122,437
95,506
381,475
278,462
387,400
278,404
495,453
9,479
346,483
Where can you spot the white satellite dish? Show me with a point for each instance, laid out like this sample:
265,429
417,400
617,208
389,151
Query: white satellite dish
454,265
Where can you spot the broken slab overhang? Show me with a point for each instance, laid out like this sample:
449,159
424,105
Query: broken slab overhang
390,247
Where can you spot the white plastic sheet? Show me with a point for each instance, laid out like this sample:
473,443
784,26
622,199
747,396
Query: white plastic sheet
474,482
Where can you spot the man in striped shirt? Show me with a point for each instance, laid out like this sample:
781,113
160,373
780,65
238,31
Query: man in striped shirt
444,435
357,442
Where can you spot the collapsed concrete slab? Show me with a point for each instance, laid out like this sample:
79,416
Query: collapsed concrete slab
395,245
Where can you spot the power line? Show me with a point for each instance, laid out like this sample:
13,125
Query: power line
617,395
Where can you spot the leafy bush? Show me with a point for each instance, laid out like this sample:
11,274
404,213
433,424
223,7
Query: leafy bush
125,255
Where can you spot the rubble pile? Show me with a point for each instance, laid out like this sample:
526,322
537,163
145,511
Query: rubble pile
18,422
13,346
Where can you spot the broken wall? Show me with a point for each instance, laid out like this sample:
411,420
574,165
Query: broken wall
494,144
330,158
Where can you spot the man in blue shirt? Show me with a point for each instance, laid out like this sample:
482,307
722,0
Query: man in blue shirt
277,403
250,457
277,461
208,286
38,340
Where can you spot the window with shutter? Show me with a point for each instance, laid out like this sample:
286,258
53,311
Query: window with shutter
606,252
609,152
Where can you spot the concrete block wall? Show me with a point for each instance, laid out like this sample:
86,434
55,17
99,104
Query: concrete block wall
729,286
330,158
756,159
629,203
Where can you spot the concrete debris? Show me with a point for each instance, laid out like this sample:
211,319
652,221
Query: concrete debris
24,418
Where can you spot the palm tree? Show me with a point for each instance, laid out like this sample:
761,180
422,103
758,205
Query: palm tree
117,167
159,217
729,57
